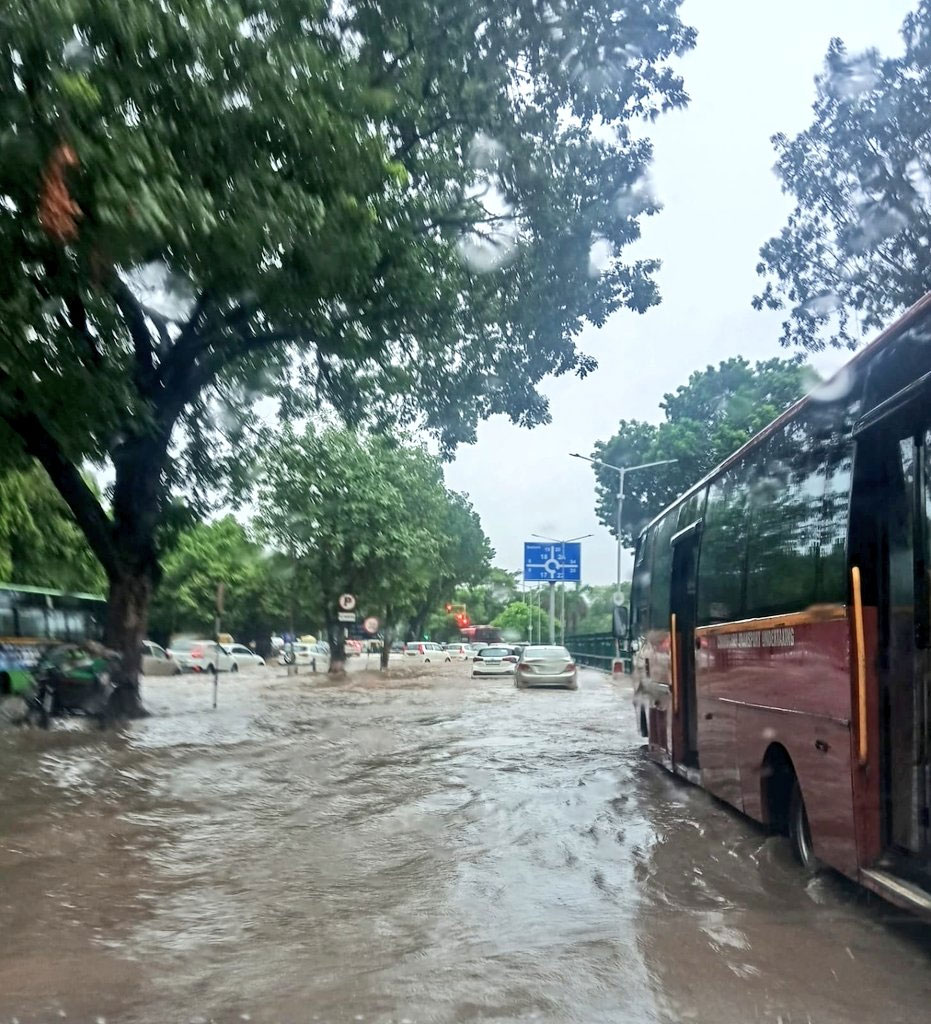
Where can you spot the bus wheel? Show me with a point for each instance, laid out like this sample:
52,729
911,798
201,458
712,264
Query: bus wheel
800,833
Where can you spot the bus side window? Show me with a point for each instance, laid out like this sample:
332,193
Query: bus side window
722,564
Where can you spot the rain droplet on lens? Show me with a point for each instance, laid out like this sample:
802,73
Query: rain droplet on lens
634,199
483,254
821,305
486,153
600,257
851,77
834,388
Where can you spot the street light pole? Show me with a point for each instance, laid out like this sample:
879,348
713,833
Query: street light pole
622,471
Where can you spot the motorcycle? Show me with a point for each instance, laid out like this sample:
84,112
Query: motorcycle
73,679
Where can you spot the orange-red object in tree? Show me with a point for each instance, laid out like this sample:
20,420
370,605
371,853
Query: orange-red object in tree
58,212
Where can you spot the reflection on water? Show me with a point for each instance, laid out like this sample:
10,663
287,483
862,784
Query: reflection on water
432,849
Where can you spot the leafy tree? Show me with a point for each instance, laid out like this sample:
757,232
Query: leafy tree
854,250
465,558
362,515
514,622
40,544
705,421
257,592
389,208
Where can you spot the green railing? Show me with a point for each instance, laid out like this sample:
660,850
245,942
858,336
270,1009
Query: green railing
596,649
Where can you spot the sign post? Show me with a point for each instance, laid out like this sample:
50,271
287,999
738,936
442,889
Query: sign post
221,590
559,561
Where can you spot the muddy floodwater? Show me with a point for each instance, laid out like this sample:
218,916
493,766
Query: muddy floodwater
421,849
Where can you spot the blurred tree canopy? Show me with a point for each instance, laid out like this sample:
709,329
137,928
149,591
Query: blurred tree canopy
262,590
854,251
367,516
399,210
705,421
40,544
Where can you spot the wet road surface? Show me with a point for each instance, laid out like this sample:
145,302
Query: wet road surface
413,850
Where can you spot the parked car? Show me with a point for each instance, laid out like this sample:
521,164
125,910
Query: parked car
546,666
156,661
353,648
234,657
425,651
459,651
203,655
495,660
315,656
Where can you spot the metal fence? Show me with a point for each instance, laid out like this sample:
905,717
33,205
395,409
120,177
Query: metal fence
596,650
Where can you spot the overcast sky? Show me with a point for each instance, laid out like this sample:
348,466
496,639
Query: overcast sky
750,75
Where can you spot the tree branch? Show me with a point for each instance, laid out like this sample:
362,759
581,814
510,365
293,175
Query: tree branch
135,316
69,483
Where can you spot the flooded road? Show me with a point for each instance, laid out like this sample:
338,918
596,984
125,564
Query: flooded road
420,849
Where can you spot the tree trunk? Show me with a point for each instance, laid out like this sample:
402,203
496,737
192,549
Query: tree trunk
387,640
337,640
127,618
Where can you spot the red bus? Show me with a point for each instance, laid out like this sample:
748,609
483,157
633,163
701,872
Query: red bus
781,621
480,634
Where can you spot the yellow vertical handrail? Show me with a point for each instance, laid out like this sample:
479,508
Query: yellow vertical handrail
674,663
860,651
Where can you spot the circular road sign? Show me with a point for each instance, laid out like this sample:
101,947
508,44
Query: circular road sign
370,625
347,602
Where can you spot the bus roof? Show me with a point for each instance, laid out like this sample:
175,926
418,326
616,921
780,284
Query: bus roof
24,589
875,346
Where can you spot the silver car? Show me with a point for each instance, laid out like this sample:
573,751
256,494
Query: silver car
546,666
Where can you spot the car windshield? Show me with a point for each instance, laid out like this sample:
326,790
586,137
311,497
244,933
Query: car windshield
494,652
533,653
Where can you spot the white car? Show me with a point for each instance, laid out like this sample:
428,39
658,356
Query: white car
315,656
204,655
546,666
459,651
156,661
494,660
425,651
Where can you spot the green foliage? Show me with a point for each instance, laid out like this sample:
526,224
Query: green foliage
40,544
514,622
854,250
256,585
370,517
705,421
385,209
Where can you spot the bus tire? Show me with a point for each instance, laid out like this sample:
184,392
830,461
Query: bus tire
800,833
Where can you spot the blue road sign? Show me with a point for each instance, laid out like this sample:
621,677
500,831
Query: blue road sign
552,562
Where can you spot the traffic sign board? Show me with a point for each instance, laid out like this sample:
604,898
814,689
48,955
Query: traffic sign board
370,625
552,562
346,602
346,616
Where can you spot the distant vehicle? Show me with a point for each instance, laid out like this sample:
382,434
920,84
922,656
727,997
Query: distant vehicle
546,666
316,656
397,647
496,660
34,618
459,651
156,661
204,655
353,648
481,634
425,651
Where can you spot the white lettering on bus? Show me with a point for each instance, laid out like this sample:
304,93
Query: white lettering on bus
758,638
